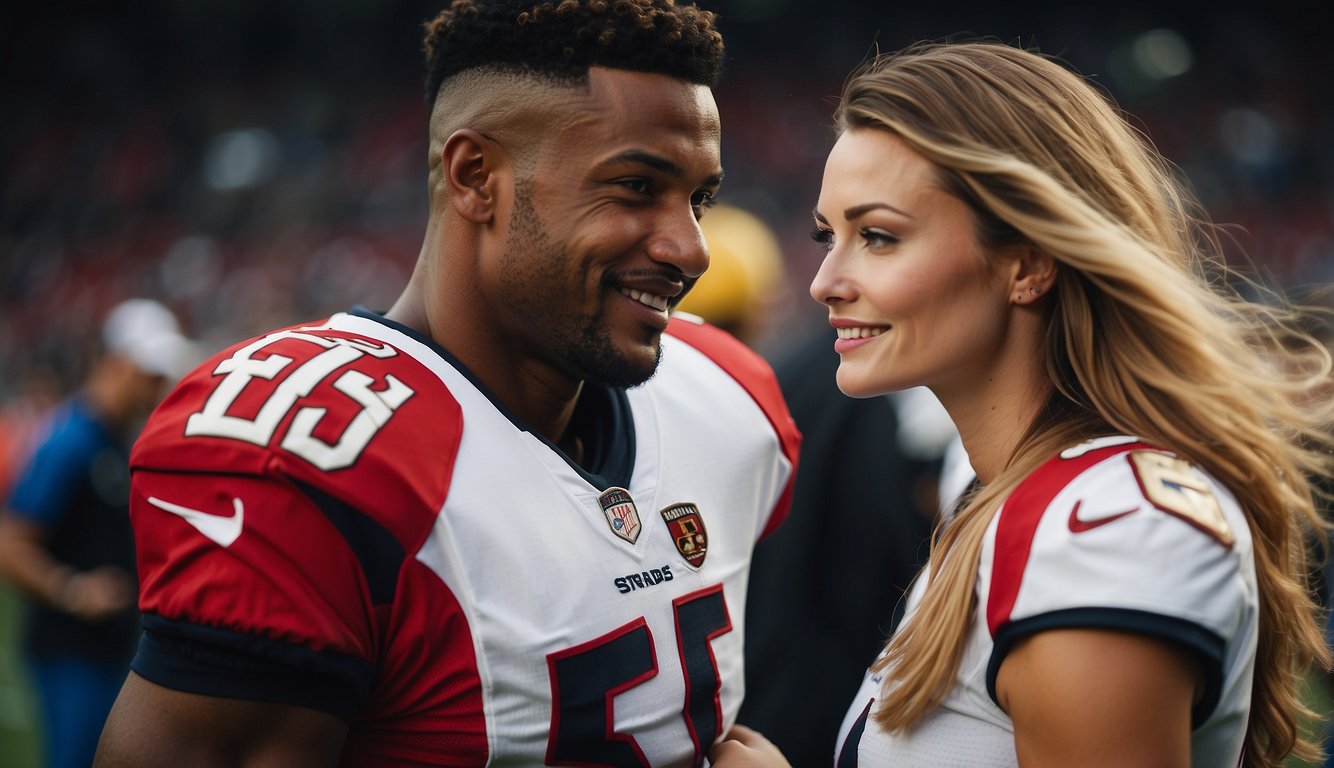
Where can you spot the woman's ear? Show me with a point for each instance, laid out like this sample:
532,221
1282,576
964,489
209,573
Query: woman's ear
468,160
1033,274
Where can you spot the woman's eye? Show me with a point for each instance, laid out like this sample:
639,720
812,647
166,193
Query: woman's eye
878,238
825,237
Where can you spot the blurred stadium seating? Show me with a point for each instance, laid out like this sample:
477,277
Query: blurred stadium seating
254,163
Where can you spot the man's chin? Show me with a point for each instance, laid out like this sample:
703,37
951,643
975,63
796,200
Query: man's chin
627,370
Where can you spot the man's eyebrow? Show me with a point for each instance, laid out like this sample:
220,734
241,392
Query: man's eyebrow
658,163
640,157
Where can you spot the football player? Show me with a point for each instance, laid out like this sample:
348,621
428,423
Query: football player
508,520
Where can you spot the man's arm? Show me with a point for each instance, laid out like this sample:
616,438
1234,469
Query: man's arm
151,726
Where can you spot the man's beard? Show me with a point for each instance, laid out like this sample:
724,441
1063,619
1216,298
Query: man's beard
581,345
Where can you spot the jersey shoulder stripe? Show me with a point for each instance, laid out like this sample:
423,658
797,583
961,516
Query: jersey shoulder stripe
1019,519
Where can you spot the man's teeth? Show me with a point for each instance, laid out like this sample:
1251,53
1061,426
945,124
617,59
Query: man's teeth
858,333
647,299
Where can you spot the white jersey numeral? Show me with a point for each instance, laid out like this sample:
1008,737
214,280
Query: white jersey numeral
377,405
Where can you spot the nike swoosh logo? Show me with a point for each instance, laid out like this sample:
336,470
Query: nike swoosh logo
222,530
1079,525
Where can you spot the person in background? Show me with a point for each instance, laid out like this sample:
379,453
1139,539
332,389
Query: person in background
1127,583
509,520
65,541
23,415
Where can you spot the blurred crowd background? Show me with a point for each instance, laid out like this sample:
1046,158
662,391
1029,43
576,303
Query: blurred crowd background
256,162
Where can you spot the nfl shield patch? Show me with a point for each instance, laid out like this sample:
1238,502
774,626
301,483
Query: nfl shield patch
621,513
687,529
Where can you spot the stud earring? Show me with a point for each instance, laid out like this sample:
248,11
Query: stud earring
1036,290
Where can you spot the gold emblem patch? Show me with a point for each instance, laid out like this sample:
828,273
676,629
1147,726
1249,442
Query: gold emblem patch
687,527
1170,484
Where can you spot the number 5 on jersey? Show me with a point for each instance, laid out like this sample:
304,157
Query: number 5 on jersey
586,679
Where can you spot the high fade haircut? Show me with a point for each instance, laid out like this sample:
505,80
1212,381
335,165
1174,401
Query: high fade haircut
563,38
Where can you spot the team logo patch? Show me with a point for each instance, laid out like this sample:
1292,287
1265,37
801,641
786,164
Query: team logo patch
687,529
621,513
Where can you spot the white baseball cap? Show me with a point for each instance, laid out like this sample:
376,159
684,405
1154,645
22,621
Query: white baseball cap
146,333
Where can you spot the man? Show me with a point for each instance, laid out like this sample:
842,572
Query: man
65,539
462,533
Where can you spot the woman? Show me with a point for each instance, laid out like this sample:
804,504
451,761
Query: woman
1126,585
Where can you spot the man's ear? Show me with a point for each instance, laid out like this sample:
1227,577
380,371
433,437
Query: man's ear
1033,274
469,162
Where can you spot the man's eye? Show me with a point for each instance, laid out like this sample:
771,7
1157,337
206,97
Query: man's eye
704,200
638,186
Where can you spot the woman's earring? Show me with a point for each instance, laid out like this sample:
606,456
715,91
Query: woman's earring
1036,290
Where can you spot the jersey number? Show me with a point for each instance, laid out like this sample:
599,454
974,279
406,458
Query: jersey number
375,404
586,679
1170,484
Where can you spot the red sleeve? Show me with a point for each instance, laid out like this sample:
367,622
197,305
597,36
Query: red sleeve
276,495
757,378
249,589
273,407
252,555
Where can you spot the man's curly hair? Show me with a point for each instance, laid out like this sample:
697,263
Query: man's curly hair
563,38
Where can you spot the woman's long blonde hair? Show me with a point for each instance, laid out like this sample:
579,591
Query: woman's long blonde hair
1144,335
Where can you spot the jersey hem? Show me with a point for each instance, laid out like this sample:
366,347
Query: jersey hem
220,662
1205,644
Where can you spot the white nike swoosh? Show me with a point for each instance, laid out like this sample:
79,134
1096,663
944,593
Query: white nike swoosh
223,530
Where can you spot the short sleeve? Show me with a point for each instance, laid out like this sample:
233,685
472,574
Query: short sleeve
258,588
1138,541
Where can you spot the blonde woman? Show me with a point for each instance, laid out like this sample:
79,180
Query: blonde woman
1126,586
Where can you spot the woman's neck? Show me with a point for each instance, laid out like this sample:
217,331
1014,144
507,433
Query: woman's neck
993,419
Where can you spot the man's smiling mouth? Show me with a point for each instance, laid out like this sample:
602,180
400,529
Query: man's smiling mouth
647,299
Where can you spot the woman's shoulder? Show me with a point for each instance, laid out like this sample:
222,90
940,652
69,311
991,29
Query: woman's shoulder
1119,527
1103,480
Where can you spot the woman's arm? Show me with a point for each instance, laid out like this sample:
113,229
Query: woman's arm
1099,698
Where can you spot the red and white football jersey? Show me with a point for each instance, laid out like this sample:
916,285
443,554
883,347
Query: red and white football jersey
1110,534
338,516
